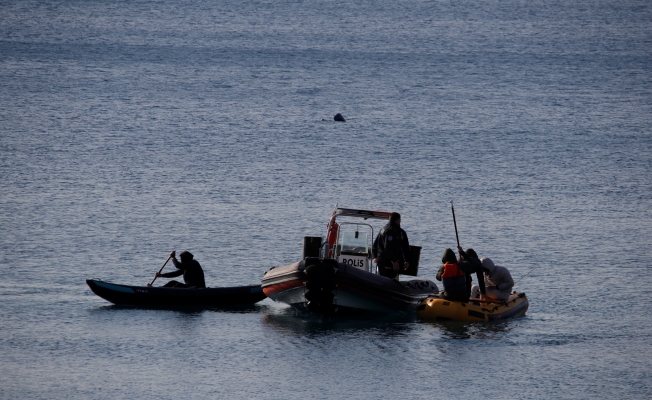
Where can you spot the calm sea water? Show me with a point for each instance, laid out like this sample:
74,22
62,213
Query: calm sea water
130,129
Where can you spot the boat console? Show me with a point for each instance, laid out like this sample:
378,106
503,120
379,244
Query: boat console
350,241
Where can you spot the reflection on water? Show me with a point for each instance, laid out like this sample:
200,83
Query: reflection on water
291,321
237,309
295,323
242,309
471,330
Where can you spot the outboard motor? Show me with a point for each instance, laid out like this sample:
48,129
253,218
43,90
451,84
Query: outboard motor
320,286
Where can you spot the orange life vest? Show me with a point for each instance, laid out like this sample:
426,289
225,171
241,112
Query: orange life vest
453,278
451,271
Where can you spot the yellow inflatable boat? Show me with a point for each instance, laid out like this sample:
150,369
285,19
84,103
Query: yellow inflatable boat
436,308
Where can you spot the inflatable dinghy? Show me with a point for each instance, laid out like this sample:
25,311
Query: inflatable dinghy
438,309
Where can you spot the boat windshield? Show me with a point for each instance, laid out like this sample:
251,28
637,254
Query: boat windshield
352,241
355,243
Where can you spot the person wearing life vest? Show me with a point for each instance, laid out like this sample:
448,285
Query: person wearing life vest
497,279
453,275
391,248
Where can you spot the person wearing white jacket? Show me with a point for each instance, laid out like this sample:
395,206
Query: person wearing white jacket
497,279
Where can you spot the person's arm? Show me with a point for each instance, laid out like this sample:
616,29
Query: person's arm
480,275
462,253
172,274
374,248
176,263
439,273
465,267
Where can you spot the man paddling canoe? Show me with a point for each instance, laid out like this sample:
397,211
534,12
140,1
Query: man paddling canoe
193,274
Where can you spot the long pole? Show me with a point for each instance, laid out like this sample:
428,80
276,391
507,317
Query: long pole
159,271
455,222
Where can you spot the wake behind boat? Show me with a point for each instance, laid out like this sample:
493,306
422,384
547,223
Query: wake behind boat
337,275
176,297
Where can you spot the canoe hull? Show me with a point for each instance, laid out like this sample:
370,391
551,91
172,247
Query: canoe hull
176,297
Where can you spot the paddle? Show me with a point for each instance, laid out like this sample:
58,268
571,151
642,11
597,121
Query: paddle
159,271
455,222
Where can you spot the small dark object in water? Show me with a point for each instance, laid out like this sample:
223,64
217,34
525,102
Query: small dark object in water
339,117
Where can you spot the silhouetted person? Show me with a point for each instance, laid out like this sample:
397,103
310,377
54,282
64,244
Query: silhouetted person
498,280
391,249
453,276
193,275
471,257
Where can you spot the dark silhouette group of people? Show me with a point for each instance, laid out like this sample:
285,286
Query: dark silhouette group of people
391,251
494,282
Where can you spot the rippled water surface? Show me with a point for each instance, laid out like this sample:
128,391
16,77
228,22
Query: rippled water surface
129,129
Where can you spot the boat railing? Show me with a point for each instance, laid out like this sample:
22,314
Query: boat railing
324,250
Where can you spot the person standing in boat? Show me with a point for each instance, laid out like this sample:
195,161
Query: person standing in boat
193,274
497,279
453,275
391,249
471,257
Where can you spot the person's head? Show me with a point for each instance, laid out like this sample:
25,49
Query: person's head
471,253
185,256
395,218
449,257
487,264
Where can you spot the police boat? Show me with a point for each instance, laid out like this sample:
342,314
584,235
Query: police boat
336,275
